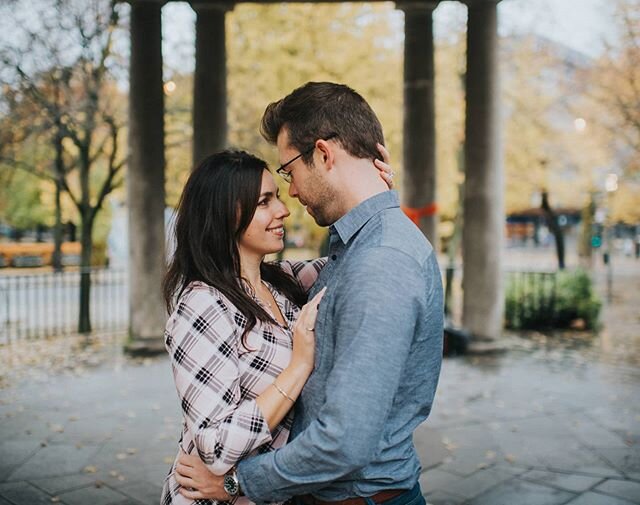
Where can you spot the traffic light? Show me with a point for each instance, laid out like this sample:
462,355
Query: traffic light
596,236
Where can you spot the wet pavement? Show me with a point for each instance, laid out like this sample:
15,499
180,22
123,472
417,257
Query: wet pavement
553,420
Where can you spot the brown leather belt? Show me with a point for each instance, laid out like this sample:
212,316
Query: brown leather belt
380,497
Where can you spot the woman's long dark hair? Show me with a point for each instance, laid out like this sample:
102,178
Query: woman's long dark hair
216,207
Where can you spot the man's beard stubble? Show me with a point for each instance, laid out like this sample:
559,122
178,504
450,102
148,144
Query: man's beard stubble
324,206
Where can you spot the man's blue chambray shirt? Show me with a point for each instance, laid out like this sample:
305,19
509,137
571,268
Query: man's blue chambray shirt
378,357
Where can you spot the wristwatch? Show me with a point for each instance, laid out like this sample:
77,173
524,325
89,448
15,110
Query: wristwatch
231,484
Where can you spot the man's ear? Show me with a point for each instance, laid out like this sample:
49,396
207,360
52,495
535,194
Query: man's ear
326,154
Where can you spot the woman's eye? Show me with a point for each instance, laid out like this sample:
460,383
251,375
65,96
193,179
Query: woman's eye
263,203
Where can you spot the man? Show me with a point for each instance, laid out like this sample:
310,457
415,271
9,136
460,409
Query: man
379,327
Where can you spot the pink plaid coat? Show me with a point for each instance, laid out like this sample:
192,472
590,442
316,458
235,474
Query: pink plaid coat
218,378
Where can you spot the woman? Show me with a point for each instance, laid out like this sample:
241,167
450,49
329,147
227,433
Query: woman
241,346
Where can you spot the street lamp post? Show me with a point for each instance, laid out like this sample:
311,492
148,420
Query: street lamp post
611,185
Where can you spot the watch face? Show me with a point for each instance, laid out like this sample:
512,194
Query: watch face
230,485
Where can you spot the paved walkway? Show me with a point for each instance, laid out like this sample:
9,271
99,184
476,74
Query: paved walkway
533,426
551,421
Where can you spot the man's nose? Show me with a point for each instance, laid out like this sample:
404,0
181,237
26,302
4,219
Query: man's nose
293,192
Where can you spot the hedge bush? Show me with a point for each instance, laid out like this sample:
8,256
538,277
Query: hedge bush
559,300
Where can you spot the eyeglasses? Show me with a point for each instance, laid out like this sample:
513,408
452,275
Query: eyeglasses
286,174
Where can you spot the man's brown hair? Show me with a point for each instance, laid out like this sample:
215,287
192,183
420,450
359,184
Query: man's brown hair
318,110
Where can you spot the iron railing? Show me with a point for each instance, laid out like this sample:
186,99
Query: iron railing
47,304
530,299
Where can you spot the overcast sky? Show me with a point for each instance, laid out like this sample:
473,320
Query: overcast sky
579,24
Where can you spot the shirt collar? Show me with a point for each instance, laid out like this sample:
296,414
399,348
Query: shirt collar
347,226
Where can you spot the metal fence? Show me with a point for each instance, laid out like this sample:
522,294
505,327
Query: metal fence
47,304
530,299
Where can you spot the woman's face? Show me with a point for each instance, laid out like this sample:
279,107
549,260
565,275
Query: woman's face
265,233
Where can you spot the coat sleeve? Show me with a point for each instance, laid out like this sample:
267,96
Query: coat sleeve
306,272
203,346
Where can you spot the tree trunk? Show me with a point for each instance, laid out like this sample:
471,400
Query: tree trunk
86,216
57,233
585,249
453,246
554,227
57,230
58,169
84,320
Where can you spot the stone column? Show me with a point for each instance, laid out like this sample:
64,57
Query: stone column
210,80
483,228
145,180
419,146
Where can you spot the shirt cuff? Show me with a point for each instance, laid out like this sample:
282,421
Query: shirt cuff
254,483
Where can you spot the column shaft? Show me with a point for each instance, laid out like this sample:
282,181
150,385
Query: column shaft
419,146
482,239
145,180
210,81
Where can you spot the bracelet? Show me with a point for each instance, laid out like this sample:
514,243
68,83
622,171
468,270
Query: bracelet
275,385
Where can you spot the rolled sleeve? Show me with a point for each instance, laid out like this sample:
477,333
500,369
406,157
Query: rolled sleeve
306,272
375,322
203,346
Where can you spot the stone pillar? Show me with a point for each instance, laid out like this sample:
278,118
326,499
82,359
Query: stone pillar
210,80
483,228
145,180
419,146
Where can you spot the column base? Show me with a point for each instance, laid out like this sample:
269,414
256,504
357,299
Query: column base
145,348
486,347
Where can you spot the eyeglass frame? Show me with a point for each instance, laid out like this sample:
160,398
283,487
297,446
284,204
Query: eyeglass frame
286,174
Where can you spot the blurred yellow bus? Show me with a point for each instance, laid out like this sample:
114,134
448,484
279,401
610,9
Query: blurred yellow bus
36,254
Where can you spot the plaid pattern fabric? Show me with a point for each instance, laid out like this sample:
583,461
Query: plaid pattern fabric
218,379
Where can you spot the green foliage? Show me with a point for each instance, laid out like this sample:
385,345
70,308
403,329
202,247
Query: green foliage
576,299
273,49
534,300
614,93
22,201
